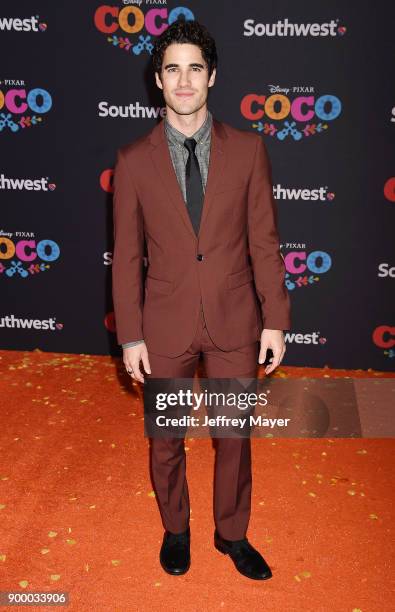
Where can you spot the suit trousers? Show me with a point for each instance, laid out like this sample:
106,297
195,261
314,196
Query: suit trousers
232,471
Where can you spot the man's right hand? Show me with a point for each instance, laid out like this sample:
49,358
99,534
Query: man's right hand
131,358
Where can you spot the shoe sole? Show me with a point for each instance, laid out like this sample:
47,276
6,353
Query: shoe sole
225,552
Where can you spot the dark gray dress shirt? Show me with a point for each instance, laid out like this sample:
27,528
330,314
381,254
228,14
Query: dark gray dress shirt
179,156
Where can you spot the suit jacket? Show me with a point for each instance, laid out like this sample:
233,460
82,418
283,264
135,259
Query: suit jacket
233,265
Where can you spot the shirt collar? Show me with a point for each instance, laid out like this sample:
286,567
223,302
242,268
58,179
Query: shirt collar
201,135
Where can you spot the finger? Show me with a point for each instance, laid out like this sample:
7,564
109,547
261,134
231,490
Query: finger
275,362
262,353
129,371
145,360
272,366
137,375
128,365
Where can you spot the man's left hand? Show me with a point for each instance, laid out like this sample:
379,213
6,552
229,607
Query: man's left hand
272,339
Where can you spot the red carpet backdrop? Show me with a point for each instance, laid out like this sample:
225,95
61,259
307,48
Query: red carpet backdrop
314,79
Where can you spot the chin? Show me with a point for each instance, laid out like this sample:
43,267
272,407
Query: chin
185,109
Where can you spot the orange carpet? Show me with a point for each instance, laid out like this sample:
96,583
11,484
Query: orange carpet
78,513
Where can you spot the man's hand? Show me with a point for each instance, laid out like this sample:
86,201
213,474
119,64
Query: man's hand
273,339
131,359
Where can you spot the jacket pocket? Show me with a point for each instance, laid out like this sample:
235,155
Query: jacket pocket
158,285
237,279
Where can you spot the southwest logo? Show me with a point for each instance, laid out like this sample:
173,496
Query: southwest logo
284,27
27,24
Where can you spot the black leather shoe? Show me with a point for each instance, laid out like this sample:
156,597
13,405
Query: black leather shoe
247,560
175,555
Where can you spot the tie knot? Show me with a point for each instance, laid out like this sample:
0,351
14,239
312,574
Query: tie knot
190,144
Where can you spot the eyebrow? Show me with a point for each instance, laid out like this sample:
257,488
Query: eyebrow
177,65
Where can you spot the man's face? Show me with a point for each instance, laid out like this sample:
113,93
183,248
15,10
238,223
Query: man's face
184,77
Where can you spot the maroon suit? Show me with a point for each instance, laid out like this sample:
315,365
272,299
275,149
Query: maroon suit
201,293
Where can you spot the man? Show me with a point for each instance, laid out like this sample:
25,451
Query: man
200,193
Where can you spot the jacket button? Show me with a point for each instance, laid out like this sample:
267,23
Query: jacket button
199,257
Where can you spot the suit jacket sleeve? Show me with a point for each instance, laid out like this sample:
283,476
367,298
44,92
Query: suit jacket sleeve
128,255
264,244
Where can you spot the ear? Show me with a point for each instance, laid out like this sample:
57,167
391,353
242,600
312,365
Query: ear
158,81
211,80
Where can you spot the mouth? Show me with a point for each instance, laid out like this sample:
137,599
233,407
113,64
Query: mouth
184,94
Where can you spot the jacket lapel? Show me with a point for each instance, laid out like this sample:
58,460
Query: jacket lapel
161,159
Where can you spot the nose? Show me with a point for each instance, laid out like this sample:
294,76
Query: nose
184,79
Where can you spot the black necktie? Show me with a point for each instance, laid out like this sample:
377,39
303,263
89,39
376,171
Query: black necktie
193,185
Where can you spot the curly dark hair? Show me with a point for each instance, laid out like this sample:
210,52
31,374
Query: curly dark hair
186,31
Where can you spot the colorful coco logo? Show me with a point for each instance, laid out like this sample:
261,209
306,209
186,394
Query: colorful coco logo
131,20
25,258
284,112
384,337
21,108
304,268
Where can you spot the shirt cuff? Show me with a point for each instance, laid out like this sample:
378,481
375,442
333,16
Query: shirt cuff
127,344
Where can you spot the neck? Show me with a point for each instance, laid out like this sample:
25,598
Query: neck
187,124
